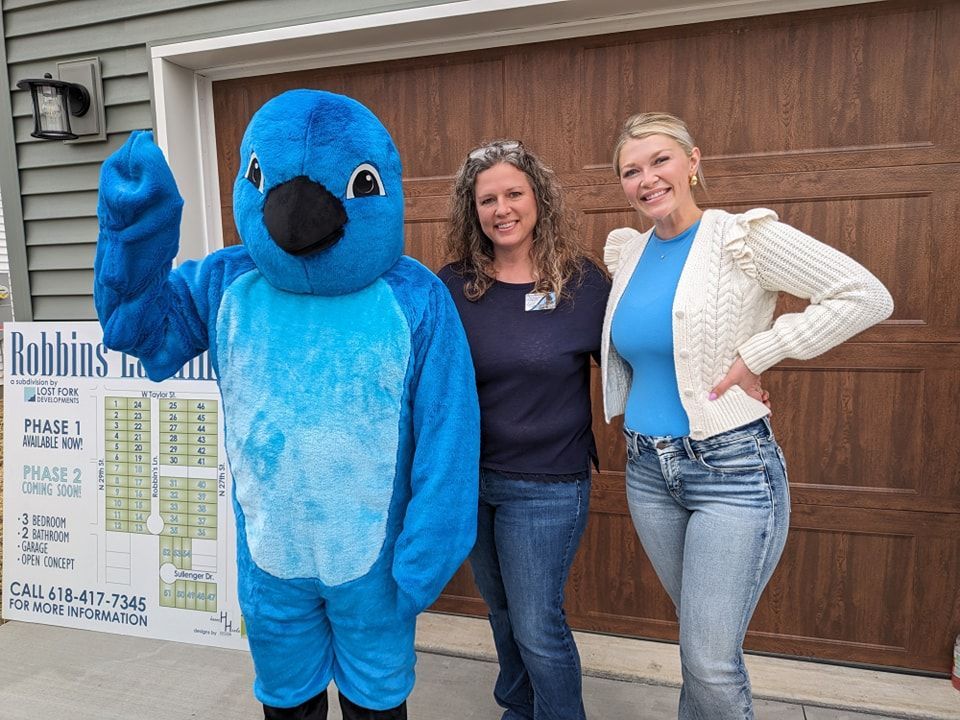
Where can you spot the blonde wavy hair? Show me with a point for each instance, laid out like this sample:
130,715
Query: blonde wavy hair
641,125
556,252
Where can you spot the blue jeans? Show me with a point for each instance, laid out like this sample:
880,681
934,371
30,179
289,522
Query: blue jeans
713,517
527,535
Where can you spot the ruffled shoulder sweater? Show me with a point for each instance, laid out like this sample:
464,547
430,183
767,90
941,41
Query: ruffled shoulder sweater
724,307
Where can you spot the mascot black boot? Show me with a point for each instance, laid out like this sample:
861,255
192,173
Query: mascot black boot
313,709
352,711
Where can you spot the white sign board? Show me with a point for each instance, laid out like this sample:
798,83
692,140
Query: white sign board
116,495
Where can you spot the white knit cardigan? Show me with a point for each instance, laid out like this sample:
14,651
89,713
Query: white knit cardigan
724,307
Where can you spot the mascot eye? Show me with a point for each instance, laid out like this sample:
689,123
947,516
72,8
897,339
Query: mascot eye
254,174
364,182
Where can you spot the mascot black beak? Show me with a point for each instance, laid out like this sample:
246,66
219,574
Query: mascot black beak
303,217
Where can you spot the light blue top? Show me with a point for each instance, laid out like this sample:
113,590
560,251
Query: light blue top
643,335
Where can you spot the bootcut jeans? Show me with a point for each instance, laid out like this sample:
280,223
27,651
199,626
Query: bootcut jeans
528,532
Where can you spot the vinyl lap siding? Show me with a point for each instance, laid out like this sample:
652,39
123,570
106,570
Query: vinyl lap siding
58,183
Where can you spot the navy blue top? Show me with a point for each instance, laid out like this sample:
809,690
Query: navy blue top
642,332
533,373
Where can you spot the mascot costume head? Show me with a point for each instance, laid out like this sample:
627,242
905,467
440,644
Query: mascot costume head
319,200
352,427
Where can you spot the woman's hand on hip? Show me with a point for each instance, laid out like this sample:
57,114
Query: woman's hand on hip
740,374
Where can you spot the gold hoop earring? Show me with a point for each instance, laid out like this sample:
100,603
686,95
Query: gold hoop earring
693,181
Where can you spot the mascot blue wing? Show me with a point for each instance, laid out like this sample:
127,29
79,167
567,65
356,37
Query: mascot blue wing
440,524
163,317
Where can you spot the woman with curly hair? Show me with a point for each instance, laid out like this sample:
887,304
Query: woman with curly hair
532,305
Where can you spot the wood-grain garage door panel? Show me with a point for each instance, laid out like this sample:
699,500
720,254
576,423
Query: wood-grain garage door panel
425,240
852,428
838,582
826,84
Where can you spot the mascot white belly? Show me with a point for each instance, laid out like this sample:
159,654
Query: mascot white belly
314,479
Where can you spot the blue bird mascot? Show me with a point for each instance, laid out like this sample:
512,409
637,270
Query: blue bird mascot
352,425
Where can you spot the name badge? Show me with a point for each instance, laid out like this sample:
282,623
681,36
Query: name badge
539,301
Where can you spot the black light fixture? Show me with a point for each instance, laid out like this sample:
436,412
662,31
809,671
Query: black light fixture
69,108
54,101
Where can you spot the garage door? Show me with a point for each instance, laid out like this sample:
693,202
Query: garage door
846,122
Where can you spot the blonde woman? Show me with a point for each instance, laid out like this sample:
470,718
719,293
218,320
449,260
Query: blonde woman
687,332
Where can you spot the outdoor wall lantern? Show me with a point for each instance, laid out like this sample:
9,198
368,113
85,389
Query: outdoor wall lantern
69,108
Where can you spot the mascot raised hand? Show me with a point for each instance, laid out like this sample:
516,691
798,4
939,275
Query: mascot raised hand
352,427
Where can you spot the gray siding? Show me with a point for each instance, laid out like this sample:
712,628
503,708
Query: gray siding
54,184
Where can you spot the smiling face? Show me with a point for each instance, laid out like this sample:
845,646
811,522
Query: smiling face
506,208
655,175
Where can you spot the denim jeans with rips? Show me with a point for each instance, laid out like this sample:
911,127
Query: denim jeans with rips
712,516
528,532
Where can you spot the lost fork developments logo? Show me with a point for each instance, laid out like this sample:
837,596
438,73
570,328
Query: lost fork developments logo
52,393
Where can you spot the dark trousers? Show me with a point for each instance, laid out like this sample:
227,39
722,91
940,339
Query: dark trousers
316,709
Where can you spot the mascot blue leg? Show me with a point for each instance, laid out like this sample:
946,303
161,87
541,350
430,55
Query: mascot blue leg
302,635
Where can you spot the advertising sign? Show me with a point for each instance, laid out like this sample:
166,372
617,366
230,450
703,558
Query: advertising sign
116,492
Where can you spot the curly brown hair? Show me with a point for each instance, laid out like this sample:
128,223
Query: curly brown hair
556,252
